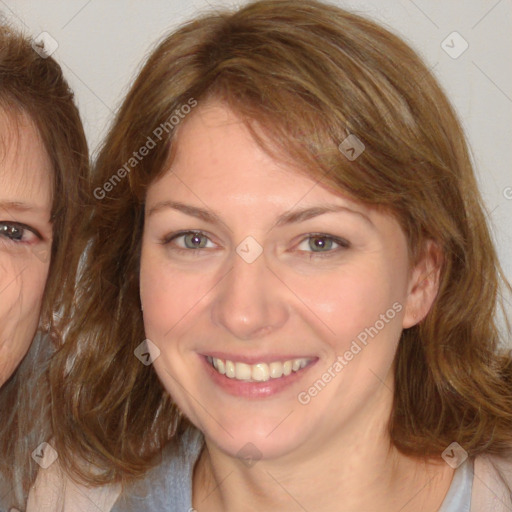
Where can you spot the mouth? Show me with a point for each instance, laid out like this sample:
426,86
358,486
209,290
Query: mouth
259,372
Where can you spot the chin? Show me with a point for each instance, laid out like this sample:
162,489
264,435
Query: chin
249,443
251,435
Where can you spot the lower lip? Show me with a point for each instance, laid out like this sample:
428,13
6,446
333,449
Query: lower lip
254,389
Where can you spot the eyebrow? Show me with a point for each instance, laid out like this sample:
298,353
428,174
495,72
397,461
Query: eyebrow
291,217
19,206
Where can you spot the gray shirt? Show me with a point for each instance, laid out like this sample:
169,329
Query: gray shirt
6,494
168,486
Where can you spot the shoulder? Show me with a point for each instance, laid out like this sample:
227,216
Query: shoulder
54,491
492,483
169,481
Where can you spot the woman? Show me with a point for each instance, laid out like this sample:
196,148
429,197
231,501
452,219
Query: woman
288,300
43,161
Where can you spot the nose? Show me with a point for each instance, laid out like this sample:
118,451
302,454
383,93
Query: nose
250,301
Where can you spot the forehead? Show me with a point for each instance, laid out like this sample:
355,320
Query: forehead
216,155
218,166
25,168
214,144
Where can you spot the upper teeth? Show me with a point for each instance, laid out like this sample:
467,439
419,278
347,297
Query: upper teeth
260,372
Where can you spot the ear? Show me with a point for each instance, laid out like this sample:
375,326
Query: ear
423,285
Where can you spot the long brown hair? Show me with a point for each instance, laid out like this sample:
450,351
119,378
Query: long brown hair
307,74
33,86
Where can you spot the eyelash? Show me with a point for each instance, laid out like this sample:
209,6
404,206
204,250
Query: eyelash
19,226
343,244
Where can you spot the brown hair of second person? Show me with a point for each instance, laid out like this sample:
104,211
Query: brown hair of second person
34,92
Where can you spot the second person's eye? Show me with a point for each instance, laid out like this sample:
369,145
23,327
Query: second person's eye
16,232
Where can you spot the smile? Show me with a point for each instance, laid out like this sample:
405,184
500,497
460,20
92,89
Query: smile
260,372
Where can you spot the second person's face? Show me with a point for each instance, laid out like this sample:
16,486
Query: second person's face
25,236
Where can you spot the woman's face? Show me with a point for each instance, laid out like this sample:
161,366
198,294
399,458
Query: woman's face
25,236
295,293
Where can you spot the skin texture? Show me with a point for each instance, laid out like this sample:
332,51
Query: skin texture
25,179
289,302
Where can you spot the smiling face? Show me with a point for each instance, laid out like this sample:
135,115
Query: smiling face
278,279
25,237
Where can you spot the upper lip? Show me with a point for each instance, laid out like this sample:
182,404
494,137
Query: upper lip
252,359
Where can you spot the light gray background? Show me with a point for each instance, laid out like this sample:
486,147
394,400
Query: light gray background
102,44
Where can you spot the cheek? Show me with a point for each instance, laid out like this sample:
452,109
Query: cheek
167,294
22,289
22,283
347,300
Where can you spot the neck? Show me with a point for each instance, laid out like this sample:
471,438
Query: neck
357,469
